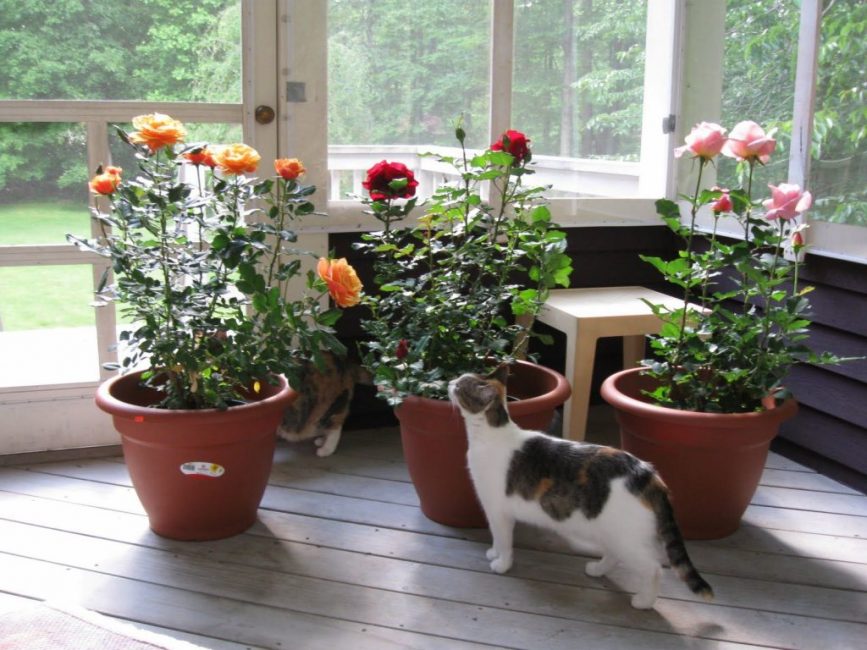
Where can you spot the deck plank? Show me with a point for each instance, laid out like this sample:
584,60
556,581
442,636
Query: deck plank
304,558
781,564
798,499
374,589
400,516
806,521
751,536
838,606
342,557
206,614
804,481
429,618
775,461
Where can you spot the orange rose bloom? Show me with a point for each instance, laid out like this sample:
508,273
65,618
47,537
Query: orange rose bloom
201,156
237,159
157,131
106,182
289,168
343,283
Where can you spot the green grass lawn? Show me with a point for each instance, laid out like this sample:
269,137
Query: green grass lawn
42,222
34,297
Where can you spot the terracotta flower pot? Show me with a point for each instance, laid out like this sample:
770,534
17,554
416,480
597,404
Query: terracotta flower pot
200,474
435,442
711,462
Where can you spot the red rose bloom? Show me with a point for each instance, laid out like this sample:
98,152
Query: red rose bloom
515,143
402,349
390,180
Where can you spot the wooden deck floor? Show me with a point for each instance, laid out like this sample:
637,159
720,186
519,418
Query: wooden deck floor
343,558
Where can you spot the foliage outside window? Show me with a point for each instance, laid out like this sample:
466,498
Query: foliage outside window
839,166
401,74
579,77
577,88
161,50
759,69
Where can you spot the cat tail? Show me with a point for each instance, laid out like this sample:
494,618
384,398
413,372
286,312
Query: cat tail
657,495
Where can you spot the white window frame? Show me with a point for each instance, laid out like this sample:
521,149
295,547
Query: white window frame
62,415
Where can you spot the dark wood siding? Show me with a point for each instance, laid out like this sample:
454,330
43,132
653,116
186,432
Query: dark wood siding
830,431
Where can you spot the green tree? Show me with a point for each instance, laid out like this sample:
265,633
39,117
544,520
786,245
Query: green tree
401,74
839,166
64,49
760,56
759,81
579,76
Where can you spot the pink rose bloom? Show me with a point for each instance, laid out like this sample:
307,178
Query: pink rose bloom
749,141
722,204
787,202
797,239
705,140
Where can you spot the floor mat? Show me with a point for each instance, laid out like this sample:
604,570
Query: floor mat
55,626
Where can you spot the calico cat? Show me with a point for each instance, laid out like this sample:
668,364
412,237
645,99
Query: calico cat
323,403
581,491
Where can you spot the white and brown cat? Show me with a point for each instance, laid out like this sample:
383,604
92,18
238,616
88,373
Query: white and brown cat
581,491
322,405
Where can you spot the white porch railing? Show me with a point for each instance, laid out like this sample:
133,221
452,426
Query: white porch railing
568,177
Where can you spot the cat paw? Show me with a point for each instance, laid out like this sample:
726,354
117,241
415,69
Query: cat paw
327,444
595,569
600,567
501,564
492,554
640,601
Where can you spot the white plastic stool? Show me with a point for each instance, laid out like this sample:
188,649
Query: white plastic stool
585,315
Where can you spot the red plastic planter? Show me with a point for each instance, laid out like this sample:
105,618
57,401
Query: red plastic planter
435,442
711,462
200,474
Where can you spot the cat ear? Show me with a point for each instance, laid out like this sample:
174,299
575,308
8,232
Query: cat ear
500,374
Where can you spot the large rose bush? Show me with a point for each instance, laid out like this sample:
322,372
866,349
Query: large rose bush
745,316
458,289
202,268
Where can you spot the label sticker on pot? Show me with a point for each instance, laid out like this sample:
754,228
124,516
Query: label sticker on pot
199,468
